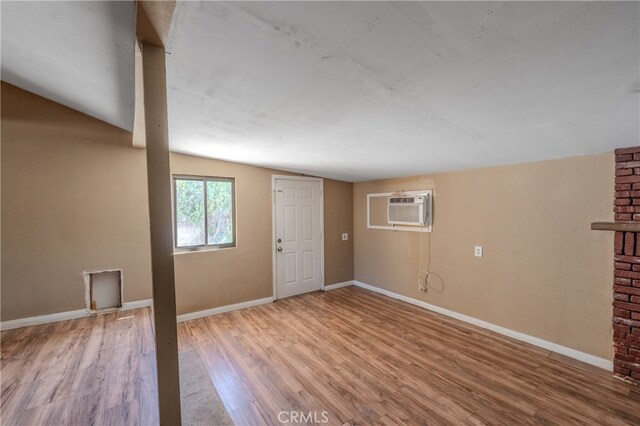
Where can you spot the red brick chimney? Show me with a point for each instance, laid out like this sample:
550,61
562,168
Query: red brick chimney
626,281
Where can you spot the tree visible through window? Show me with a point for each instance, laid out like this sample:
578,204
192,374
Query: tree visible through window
204,212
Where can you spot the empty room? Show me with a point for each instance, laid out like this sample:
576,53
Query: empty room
340,213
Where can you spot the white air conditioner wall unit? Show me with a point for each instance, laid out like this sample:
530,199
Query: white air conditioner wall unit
410,210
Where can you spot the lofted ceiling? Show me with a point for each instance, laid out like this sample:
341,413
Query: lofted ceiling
351,90
77,53
367,90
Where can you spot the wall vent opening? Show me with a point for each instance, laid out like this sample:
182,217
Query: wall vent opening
104,290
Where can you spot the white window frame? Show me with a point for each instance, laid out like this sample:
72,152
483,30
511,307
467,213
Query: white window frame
205,246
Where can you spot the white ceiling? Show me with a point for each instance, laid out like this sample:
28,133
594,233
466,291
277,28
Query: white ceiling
359,90
79,54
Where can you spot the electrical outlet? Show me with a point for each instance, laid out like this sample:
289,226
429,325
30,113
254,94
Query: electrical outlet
345,236
478,251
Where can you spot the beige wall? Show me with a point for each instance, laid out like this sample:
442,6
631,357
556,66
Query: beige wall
74,198
208,279
338,219
544,272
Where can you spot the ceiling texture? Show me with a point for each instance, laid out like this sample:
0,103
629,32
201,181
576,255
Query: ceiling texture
352,90
79,54
367,90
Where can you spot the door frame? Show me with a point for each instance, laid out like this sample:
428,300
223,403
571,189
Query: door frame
273,227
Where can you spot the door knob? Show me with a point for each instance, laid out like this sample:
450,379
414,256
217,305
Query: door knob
279,240
279,248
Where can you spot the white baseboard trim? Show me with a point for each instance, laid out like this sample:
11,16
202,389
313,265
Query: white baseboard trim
68,315
137,304
43,319
223,309
338,285
81,313
553,347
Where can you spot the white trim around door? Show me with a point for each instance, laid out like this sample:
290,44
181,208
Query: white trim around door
273,226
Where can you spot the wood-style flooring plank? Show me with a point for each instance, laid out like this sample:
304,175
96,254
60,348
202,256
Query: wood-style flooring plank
367,359
351,355
95,370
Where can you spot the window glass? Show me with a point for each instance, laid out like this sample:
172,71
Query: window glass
219,212
204,212
189,213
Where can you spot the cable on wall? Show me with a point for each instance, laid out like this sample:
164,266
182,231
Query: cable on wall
423,284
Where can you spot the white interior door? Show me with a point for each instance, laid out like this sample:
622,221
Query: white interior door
298,236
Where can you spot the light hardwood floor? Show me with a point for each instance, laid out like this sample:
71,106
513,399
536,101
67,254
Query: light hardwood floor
360,357
95,370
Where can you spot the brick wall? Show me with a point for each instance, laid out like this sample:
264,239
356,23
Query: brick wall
626,281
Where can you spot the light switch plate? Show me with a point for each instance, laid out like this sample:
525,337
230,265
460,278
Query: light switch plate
345,236
477,251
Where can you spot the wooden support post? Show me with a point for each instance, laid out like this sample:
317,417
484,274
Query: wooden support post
159,182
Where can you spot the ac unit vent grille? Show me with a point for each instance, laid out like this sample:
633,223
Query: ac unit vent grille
409,210
405,214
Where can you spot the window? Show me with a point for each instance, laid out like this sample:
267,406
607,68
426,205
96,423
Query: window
204,212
